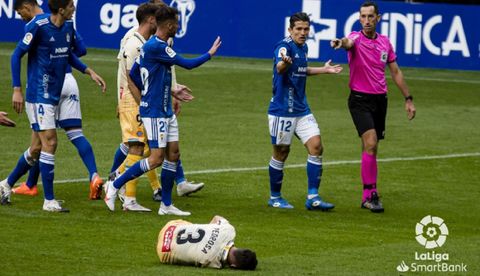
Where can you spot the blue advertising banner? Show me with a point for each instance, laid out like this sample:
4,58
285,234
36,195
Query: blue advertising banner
423,35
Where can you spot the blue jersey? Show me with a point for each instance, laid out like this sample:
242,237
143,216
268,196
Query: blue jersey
156,59
289,98
49,52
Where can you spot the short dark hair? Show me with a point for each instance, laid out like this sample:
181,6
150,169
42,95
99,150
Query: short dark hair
371,4
145,10
299,16
55,5
166,13
245,259
18,3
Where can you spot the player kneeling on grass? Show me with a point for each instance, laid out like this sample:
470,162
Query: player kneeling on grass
204,245
156,59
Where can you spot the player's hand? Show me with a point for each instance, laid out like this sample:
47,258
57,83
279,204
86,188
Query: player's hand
5,121
182,93
177,106
336,43
216,44
410,108
96,78
332,69
17,99
288,60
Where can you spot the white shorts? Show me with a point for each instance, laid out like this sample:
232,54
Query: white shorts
69,114
41,116
160,131
282,129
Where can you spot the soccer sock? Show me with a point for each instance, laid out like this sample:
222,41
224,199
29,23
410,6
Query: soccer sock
135,171
369,174
153,178
179,176
314,174
168,177
33,175
24,163
84,149
131,188
276,177
120,155
47,167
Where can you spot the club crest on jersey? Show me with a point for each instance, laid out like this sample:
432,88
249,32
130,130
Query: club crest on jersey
68,37
384,56
170,52
27,38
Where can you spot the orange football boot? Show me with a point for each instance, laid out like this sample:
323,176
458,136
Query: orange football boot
96,188
23,189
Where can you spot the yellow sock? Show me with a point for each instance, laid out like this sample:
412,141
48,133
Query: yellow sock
153,178
131,188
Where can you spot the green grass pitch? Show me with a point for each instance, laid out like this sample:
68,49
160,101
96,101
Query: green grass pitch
225,128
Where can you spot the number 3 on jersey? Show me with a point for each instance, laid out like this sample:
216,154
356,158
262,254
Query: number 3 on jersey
190,236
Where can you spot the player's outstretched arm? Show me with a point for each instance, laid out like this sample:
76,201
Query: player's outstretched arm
399,80
284,64
195,62
344,43
328,68
5,121
96,78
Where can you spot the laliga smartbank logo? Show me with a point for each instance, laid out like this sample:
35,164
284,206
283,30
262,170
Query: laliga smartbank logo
431,232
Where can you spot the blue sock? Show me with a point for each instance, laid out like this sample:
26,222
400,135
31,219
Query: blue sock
179,175
120,155
47,167
314,174
134,171
24,163
276,177
167,177
84,149
33,175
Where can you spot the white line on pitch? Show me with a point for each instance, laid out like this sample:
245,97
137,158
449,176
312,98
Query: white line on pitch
329,163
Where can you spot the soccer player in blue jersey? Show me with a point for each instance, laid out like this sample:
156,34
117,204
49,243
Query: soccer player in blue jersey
290,114
49,40
156,59
69,114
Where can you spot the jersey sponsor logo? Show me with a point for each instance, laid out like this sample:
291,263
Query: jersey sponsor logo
283,51
186,9
61,50
168,238
27,38
170,52
42,22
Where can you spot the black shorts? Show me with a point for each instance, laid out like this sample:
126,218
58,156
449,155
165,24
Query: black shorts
369,111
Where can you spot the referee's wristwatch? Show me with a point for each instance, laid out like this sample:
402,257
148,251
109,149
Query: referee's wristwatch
409,98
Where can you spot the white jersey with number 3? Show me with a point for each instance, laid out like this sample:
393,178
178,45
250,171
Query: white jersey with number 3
205,245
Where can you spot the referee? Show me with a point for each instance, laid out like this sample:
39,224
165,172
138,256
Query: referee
368,54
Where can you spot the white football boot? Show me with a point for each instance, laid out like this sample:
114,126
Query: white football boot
53,206
110,195
185,188
171,210
5,192
131,204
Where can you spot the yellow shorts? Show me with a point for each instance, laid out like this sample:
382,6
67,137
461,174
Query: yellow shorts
132,127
